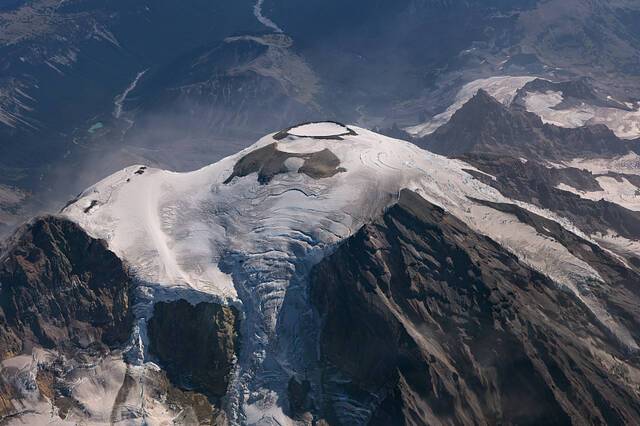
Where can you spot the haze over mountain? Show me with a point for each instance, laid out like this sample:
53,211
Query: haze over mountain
89,88
466,252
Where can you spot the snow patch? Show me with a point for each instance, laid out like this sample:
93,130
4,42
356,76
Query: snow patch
626,164
625,124
16,104
619,191
503,88
318,130
293,164
99,32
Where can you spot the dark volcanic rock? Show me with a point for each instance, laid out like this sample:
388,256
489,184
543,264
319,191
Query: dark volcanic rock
196,345
426,322
61,289
484,125
622,293
298,395
268,162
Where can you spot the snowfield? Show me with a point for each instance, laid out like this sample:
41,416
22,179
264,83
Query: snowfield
625,124
191,236
626,164
319,130
619,191
503,88
548,106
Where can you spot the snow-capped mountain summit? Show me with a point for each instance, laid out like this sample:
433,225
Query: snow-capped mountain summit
478,265
247,231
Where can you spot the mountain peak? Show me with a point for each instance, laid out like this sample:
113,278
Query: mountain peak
485,125
479,109
205,237
483,97
241,236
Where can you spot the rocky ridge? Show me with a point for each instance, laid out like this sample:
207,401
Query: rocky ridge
445,327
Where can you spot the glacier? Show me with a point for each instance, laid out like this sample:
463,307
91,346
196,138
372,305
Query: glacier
202,236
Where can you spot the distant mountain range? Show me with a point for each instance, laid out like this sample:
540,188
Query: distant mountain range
88,88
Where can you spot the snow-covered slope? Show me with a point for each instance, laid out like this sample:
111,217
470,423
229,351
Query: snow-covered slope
552,106
625,123
251,243
503,88
617,190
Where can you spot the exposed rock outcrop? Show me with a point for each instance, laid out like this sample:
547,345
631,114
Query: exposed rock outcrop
425,321
484,125
573,91
299,399
535,183
268,162
196,345
61,289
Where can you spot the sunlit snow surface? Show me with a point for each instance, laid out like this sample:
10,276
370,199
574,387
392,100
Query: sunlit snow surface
324,129
625,124
502,88
616,190
547,105
189,235
626,164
